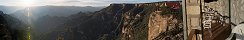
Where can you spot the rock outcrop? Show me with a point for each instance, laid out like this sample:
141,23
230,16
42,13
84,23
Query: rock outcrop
125,21
153,21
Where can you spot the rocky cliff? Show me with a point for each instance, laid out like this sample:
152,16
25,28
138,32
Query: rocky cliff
123,21
153,21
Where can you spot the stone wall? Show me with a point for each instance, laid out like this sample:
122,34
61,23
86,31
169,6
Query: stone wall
237,11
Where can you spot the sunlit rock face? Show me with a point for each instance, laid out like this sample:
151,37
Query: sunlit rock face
153,21
158,24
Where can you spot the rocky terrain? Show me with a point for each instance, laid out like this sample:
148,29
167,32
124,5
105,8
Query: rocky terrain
126,21
119,21
156,21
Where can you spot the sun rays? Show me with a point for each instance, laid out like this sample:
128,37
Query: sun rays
27,4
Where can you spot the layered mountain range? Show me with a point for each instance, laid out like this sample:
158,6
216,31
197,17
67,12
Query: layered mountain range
123,21
119,21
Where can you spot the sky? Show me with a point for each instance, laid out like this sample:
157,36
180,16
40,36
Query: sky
70,2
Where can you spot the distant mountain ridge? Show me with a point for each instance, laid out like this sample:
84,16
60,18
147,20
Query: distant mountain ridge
123,22
139,21
39,11
10,9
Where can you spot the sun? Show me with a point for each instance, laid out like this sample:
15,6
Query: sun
26,3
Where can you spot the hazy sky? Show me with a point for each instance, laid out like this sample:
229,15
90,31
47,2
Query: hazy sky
70,2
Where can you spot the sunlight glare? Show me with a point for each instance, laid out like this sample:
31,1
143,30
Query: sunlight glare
27,3
28,12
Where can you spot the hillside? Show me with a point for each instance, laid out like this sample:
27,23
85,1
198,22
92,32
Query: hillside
11,28
132,21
